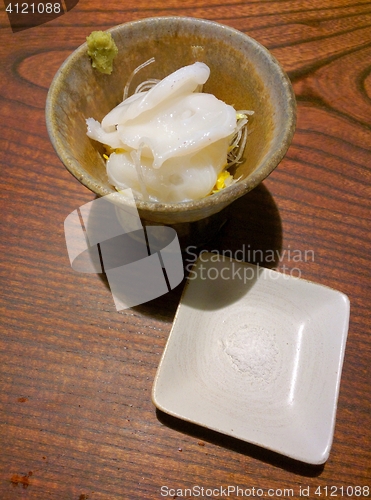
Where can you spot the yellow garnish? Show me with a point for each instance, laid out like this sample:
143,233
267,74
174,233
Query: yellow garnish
110,150
221,181
239,116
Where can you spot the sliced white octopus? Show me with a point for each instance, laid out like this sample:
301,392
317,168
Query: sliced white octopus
190,177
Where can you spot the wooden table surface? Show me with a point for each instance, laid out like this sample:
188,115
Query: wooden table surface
77,421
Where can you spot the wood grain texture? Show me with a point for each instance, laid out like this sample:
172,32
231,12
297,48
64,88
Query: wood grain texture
76,417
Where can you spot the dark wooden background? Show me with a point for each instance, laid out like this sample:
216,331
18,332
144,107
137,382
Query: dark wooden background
76,417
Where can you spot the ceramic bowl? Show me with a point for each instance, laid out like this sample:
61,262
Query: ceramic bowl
256,355
243,74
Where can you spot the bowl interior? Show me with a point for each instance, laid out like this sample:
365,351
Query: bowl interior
243,74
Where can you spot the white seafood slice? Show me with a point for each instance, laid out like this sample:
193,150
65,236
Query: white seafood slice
96,132
190,177
183,81
117,114
175,138
181,126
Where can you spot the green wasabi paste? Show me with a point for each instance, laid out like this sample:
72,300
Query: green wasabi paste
102,50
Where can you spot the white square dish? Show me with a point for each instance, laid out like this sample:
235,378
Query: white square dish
257,355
